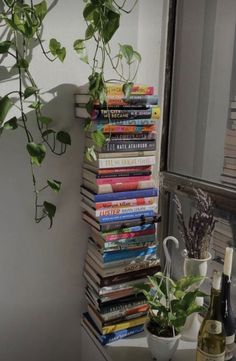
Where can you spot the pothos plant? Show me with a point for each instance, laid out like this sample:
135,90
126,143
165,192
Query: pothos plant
21,25
103,20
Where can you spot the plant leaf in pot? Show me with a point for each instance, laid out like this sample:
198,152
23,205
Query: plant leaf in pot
170,303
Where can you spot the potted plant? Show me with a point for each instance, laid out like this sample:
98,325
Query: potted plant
170,303
197,234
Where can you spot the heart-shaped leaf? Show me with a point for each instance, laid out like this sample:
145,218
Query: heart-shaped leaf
37,152
54,184
64,137
49,209
30,90
79,47
4,46
45,120
5,106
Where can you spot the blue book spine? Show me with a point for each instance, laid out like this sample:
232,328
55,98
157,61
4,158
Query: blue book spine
114,336
125,216
126,122
119,255
141,193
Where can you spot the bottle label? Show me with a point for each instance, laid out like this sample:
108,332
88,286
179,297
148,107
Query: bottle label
213,327
203,356
229,348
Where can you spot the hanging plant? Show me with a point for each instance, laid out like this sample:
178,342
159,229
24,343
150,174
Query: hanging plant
21,26
103,20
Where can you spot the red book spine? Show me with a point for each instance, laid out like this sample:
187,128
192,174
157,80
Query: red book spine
126,203
115,237
122,179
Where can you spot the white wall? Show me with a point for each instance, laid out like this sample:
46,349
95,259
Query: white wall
41,284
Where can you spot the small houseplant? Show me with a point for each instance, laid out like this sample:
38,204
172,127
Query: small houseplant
197,234
170,303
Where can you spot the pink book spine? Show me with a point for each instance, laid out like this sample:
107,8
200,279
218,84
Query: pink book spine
126,202
122,180
115,237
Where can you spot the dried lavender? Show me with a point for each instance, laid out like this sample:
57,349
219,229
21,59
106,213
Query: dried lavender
197,235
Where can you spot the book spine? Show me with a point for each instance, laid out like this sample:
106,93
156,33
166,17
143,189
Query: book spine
126,254
117,89
123,217
126,114
135,239
107,128
117,246
128,235
121,100
125,146
115,336
141,193
124,174
101,181
124,313
134,137
107,212
126,203
124,170
126,162
136,122
123,325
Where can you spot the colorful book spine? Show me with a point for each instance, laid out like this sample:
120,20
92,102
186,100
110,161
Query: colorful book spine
136,122
126,162
141,193
116,88
127,203
105,212
128,235
107,128
124,170
115,180
119,146
126,114
123,217
124,174
126,254
132,229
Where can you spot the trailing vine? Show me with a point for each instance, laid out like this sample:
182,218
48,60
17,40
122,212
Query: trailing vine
21,26
103,20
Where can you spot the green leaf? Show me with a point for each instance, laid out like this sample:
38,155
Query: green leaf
30,90
185,282
90,154
99,138
18,24
79,47
127,52
127,87
57,50
88,124
41,9
89,32
137,56
64,137
4,46
23,64
50,210
37,152
47,132
45,120
111,26
35,105
10,124
5,106
90,106
88,11
54,184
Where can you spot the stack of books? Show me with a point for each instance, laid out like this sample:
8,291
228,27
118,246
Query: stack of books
119,201
228,176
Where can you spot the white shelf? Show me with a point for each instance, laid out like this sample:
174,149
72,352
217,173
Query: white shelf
133,348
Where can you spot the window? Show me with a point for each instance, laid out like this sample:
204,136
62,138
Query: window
199,120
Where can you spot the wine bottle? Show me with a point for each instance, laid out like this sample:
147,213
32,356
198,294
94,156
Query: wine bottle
226,309
211,337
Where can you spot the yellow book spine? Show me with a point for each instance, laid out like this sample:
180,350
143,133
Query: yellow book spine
116,89
123,325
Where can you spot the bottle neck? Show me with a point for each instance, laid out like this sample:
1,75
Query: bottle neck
226,285
214,309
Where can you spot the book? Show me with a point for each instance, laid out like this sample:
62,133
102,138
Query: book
137,153
113,88
126,243
104,227
109,128
126,203
120,258
128,136
110,212
101,323
130,266
118,187
110,178
120,114
122,146
120,278
118,170
119,315
124,233
123,162
119,100
113,336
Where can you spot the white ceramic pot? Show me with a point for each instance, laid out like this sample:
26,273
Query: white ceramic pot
162,348
196,267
